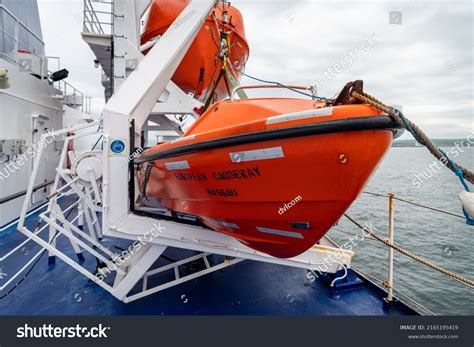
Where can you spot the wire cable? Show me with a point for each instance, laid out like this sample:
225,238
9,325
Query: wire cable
285,86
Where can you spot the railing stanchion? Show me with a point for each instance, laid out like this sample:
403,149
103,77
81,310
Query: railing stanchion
17,38
389,283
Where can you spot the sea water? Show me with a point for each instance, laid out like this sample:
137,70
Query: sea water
412,174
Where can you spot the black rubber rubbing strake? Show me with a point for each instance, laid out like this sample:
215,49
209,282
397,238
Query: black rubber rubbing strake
336,126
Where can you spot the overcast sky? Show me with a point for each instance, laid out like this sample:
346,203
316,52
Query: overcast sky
414,53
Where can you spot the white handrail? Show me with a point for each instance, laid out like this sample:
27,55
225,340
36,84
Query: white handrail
263,86
2,7
91,21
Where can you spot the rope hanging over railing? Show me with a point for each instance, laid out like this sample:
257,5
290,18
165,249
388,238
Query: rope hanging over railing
403,251
463,173
417,133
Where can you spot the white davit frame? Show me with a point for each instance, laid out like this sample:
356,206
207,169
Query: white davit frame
133,102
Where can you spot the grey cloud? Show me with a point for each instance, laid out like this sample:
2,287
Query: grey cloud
424,64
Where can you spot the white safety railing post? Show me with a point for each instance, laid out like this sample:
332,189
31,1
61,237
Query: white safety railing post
17,37
390,249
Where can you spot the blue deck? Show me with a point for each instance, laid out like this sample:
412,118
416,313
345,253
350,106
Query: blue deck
247,288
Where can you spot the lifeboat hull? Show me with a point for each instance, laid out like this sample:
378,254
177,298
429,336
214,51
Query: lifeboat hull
276,184
200,67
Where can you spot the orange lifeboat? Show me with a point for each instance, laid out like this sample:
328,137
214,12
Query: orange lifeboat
276,174
200,68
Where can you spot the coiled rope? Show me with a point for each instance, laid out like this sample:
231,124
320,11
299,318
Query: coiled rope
418,259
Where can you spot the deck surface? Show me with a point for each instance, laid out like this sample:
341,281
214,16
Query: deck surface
247,288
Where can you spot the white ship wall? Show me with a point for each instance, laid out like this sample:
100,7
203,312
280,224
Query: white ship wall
27,109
